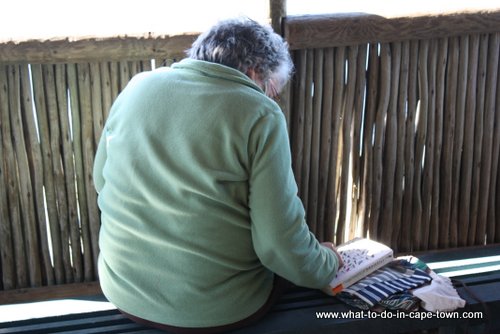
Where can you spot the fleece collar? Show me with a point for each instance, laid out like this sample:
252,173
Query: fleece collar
217,70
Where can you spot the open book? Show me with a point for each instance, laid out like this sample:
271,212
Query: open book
361,257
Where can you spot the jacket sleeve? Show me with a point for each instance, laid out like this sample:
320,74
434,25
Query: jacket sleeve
281,237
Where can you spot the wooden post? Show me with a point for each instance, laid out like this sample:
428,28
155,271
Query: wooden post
277,12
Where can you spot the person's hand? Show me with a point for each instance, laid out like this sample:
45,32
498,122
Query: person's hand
331,246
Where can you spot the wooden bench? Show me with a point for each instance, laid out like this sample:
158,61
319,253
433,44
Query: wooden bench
297,312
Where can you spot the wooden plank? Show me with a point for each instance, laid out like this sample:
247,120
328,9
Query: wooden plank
106,91
307,130
346,138
277,12
456,253
496,207
422,165
442,59
27,227
365,211
10,170
378,145
297,117
74,95
36,163
480,278
493,217
49,182
61,203
114,73
459,135
468,149
284,100
357,227
96,94
475,225
429,177
312,213
49,292
399,178
326,139
497,202
486,228
88,152
146,65
134,68
420,145
338,95
95,49
313,31
73,260
124,74
6,231
411,119
447,231
115,326
57,170
95,322
390,148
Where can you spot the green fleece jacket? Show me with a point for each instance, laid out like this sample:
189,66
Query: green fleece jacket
198,200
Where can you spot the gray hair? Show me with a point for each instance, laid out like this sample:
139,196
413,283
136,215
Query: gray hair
245,45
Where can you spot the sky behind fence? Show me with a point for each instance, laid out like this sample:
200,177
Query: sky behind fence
53,19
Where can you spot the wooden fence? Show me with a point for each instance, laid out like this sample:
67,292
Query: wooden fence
395,127
392,137
52,111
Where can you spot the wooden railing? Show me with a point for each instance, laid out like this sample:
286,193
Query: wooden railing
393,126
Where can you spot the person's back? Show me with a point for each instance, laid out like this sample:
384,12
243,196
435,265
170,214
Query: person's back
199,205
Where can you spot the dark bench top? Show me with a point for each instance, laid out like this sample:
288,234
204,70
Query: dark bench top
297,311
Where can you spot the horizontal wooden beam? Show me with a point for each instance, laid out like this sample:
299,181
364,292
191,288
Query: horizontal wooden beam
320,31
50,292
95,49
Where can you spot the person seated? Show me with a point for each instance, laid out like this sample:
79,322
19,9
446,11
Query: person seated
202,228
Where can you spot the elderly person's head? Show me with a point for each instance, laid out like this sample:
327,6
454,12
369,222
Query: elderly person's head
249,47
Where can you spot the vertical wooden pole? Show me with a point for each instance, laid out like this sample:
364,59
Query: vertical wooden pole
468,146
76,75
13,267
390,146
326,139
41,106
277,12
37,172
372,87
401,114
